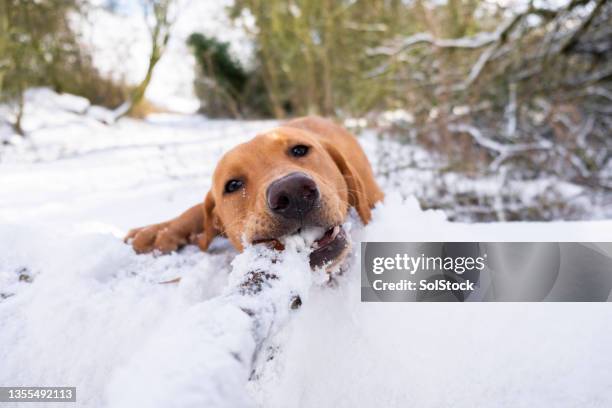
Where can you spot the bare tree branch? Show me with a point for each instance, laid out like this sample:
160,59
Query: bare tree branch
504,151
583,27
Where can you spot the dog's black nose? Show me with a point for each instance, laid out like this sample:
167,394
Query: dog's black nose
293,195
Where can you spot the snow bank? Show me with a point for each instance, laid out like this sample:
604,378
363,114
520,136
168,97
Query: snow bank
93,314
339,352
203,356
85,310
403,220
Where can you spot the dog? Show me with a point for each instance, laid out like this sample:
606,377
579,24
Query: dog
307,172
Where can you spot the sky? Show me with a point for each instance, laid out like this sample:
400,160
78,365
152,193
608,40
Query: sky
120,46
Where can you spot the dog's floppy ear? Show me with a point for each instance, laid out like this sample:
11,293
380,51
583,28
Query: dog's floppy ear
357,194
212,223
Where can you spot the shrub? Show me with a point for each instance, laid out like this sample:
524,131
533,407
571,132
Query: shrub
223,85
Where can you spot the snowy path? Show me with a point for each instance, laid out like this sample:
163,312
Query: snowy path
95,317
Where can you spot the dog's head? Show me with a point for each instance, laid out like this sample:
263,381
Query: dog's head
278,183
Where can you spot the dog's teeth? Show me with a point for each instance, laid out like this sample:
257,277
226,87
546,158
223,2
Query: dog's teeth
335,232
328,237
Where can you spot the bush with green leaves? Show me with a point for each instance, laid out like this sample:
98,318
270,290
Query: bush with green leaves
223,85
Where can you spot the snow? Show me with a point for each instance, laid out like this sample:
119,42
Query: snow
466,196
79,308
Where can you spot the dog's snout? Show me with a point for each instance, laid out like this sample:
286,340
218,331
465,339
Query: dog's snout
293,195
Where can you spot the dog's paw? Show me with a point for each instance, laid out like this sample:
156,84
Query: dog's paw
157,237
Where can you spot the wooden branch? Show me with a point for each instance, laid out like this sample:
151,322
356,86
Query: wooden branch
493,41
582,28
504,151
476,41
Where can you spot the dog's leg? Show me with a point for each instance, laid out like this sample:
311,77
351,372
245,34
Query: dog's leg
170,235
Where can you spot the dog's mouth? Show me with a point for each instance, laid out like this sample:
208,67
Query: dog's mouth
325,250
329,247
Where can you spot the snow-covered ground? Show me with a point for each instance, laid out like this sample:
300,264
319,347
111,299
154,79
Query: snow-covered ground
79,308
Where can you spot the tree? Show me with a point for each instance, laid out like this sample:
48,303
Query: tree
311,53
34,39
222,80
530,87
159,17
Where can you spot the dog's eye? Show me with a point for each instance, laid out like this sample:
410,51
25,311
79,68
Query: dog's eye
299,150
233,185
